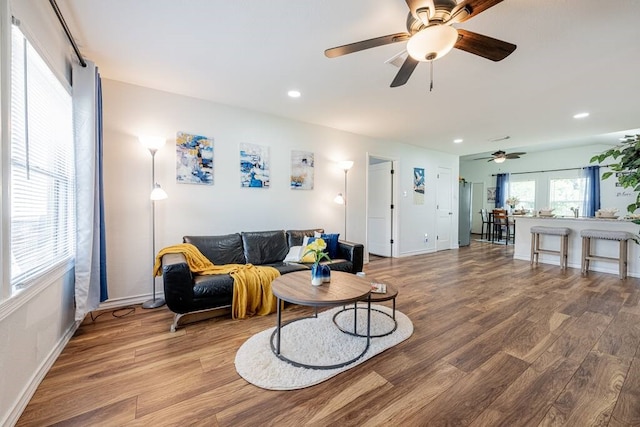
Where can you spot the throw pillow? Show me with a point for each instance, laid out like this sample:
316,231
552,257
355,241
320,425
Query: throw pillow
294,255
332,243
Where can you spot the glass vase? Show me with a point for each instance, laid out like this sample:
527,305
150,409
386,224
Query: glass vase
326,274
316,275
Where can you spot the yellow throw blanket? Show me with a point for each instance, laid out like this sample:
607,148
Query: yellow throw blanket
251,284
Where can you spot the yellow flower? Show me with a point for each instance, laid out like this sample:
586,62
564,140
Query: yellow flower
317,248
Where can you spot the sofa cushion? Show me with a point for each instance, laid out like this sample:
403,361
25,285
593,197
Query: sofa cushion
265,247
285,268
219,250
295,237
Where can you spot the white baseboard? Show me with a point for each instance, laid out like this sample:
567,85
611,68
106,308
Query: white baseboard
123,302
420,252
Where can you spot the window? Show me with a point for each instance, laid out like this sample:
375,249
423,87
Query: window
525,191
42,187
566,193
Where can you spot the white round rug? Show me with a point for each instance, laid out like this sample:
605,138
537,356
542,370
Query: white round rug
316,342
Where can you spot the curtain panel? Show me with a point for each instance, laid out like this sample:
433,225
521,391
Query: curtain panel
90,266
591,201
502,188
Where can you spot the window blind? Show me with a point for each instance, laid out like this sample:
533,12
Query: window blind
42,188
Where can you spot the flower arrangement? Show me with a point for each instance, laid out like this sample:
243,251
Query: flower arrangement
317,248
512,201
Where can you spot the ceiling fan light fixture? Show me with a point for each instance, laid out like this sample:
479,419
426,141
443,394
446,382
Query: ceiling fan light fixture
499,159
432,43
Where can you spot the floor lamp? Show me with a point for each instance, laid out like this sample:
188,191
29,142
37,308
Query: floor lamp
157,193
340,198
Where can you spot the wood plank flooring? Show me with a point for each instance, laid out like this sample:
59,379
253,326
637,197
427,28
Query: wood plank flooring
496,343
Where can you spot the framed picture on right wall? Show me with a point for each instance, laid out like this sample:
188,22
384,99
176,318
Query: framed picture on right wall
418,186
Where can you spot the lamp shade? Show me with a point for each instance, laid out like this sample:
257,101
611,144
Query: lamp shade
339,199
432,42
345,165
499,159
152,142
158,193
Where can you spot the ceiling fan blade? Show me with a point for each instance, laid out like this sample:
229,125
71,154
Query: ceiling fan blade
405,72
366,44
474,7
484,46
484,158
514,155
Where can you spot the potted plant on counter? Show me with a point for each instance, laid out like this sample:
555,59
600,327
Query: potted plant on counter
627,157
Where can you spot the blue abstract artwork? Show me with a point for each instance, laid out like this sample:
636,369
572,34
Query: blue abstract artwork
194,159
254,166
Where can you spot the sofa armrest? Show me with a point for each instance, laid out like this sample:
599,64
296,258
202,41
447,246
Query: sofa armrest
178,283
353,252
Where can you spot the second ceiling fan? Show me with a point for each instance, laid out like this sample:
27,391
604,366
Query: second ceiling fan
430,35
500,156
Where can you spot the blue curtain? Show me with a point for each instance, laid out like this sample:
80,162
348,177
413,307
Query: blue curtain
502,187
591,200
104,295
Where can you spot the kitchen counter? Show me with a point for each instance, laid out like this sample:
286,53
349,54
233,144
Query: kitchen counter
522,249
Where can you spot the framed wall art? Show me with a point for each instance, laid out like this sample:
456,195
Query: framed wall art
302,163
194,159
418,186
255,171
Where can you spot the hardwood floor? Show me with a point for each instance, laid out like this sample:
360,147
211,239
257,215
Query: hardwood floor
496,342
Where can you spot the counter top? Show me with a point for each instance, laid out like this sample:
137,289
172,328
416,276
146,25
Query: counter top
581,218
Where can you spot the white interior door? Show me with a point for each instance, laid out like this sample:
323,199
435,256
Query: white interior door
444,209
379,209
477,203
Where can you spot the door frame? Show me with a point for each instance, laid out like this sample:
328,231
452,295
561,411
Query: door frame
393,197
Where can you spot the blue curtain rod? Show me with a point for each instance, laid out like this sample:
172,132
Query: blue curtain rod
552,170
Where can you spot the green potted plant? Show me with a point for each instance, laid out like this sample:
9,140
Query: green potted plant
626,168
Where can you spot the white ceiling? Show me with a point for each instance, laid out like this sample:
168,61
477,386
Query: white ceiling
572,56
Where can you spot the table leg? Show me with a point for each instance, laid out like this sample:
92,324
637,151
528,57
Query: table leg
355,318
279,325
368,321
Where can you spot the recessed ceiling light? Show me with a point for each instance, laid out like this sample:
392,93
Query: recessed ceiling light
458,140
294,93
580,115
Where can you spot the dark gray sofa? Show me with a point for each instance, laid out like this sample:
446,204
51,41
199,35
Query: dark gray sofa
187,293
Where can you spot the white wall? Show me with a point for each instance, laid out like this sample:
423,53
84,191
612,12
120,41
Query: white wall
225,207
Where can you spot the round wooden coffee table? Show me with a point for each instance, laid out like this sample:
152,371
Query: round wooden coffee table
296,288
389,295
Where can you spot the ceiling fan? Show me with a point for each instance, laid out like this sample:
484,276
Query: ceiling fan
430,35
500,156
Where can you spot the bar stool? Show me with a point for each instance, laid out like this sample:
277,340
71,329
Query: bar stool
621,236
486,224
563,232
